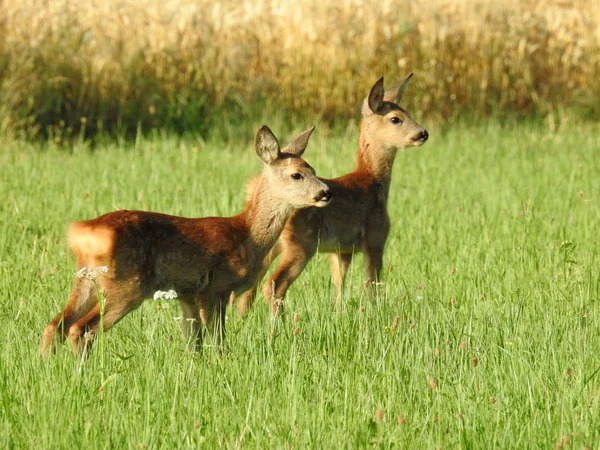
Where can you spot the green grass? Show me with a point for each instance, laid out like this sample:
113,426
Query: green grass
494,278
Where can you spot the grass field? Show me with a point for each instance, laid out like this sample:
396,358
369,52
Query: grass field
484,334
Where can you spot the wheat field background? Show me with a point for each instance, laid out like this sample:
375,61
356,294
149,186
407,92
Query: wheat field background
71,68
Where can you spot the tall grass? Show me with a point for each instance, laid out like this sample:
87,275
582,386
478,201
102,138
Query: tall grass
76,68
485,333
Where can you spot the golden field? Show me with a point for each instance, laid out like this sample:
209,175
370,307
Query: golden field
75,68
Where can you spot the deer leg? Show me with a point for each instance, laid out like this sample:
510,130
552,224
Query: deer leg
339,268
376,235
213,315
246,299
374,267
294,259
118,301
82,299
219,323
191,324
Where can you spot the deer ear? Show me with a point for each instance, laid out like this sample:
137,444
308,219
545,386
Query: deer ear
267,146
394,94
298,145
375,99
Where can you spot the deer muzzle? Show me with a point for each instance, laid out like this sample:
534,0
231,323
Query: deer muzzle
421,137
323,198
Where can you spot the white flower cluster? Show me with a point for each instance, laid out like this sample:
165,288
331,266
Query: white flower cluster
91,273
165,295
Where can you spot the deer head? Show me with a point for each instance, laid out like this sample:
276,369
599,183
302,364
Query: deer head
294,181
386,124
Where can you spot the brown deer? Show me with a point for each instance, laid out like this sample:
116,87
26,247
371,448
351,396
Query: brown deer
357,220
202,260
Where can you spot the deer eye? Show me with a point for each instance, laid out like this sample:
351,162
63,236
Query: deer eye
296,176
396,120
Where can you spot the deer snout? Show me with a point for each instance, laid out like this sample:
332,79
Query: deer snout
323,198
421,136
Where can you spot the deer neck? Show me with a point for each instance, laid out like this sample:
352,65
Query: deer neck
265,217
376,160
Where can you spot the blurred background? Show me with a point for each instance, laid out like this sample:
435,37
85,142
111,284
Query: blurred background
74,69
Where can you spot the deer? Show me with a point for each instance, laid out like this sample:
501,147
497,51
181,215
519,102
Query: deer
202,260
357,221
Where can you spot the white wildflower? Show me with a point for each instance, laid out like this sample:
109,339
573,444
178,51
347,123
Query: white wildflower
165,295
88,336
91,273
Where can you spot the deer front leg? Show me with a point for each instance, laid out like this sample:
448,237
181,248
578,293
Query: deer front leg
246,299
376,234
294,258
191,324
213,315
374,267
339,268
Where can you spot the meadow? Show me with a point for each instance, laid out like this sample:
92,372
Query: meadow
485,332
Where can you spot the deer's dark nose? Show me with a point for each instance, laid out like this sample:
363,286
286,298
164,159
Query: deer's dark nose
323,196
422,136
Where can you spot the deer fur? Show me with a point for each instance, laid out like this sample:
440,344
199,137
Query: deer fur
357,220
203,260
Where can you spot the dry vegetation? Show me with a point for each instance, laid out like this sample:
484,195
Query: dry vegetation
79,67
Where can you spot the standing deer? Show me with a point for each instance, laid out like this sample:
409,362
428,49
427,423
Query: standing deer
203,260
357,220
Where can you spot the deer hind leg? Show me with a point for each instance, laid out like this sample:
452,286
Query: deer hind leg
119,299
294,259
339,268
246,299
82,299
191,324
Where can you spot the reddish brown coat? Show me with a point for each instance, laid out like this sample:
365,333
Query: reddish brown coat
203,260
357,219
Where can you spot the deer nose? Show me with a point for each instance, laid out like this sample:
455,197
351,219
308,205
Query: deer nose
323,196
422,136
